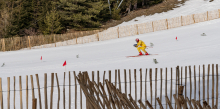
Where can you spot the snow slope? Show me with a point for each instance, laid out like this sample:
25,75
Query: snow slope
188,8
190,49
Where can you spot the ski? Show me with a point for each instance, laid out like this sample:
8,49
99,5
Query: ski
141,55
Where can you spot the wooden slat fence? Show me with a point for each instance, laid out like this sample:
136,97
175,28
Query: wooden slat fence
156,86
42,41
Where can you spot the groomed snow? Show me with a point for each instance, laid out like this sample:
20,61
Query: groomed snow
190,49
188,8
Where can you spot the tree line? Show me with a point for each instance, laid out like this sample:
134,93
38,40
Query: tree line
34,17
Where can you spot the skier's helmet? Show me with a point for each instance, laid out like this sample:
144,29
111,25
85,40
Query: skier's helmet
137,40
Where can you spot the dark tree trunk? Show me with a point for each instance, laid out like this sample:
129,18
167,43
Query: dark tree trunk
135,6
147,3
129,8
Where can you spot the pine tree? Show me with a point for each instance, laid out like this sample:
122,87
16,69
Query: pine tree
44,7
14,20
4,16
116,12
52,22
81,13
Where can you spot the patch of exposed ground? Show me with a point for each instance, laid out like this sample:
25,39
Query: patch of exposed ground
165,6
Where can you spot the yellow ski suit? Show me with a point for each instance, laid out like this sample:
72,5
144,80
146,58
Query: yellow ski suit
142,46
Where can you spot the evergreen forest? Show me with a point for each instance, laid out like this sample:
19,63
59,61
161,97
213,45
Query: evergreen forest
35,17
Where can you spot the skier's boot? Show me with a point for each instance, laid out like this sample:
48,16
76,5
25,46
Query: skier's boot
146,53
140,53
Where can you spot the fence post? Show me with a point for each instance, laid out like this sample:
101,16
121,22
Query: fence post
3,44
219,12
146,87
58,87
208,84
213,85
14,92
125,81
32,86
161,82
137,29
153,25
216,85
194,82
103,86
29,41
185,80
97,36
115,78
118,32
8,79
119,80
181,76
167,24
1,95
190,79
171,85
155,88
208,20
151,92
104,79
20,85
76,38
69,90
80,96
130,79
64,106
135,79
110,75
166,86
38,85
26,91
98,79
34,103
75,89
54,40
141,84
51,94
181,20
199,82
203,77
45,90
194,18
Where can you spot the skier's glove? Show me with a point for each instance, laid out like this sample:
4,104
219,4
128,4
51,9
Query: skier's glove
135,45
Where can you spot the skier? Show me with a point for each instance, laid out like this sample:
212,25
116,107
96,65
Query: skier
142,47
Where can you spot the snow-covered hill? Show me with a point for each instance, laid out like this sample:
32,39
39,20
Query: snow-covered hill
190,49
188,8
